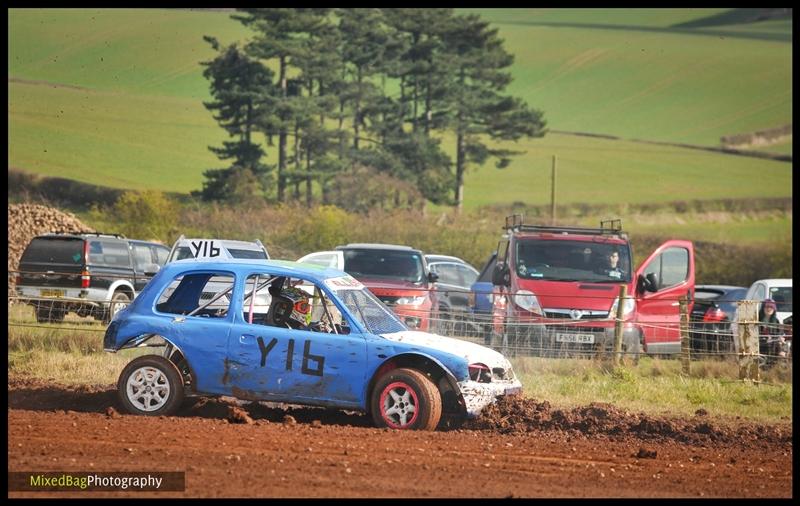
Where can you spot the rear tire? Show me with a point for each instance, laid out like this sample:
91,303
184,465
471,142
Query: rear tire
406,399
150,385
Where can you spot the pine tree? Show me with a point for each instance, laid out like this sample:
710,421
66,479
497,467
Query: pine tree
241,89
479,110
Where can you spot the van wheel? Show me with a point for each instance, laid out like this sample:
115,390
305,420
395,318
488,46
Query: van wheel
150,385
50,314
119,301
406,399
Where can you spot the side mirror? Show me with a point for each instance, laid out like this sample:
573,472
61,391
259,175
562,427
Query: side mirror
648,283
151,269
433,277
501,276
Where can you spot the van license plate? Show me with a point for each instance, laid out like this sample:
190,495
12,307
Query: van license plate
575,338
52,293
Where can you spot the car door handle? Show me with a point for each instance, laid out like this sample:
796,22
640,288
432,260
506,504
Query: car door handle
244,337
675,304
179,319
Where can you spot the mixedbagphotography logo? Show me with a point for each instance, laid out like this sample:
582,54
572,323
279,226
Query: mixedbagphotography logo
60,481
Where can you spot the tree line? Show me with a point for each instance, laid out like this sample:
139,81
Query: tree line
353,94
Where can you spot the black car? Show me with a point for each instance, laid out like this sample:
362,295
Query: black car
712,315
92,274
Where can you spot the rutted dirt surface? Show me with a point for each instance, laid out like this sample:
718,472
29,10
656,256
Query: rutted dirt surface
519,448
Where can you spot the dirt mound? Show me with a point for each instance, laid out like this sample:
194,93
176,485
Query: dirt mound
520,415
25,221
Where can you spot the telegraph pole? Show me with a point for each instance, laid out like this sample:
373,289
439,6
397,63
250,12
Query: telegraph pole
553,193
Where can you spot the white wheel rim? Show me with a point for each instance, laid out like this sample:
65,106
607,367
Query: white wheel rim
116,307
147,389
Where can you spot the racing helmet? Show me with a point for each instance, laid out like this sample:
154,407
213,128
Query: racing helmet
292,308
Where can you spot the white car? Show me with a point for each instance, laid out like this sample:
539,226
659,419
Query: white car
216,249
221,250
779,290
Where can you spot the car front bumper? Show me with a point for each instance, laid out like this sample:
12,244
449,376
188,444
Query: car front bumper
479,395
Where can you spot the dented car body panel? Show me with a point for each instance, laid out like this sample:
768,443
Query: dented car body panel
229,355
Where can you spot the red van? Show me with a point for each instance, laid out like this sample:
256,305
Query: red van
557,288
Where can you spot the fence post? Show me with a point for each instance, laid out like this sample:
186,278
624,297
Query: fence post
685,344
747,340
623,294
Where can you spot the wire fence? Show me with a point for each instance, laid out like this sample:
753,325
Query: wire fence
675,333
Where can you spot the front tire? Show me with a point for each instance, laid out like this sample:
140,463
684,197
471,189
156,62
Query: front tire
406,399
150,385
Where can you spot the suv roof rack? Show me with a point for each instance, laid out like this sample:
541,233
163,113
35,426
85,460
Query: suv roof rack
515,223
86,232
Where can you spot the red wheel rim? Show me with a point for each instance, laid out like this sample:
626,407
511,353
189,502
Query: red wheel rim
398,402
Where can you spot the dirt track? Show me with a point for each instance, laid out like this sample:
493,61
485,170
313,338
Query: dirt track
519,449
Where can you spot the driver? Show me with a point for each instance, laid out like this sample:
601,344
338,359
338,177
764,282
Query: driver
612,268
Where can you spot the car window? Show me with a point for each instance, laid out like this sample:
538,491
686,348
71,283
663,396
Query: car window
247,253
468,275
109,253
289,302
388,264
142,256
670,267
486,273
321,259
161,254
448,274
205,294
761,292
54,251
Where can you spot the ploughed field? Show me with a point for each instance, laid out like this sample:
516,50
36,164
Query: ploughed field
520,448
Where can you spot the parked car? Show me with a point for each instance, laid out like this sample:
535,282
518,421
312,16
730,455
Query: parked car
397,275
351,353
712,317
216,249
89,273
453,289
779,290
558,288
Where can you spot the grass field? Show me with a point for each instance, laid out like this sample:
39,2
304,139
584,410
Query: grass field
114,97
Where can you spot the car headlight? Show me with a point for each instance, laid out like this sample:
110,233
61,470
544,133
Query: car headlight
627,308
411,301
528,301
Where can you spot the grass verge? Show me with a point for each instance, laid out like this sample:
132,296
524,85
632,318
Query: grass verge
657,386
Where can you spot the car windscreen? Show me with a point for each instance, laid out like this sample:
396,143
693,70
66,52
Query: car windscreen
54,251
386,264
248,253
369,311
565,260
782,295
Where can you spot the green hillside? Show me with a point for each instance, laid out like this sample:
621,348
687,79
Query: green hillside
114,97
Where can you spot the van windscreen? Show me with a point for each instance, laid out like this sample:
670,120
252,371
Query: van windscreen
564,260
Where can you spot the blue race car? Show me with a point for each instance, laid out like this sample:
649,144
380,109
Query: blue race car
267,330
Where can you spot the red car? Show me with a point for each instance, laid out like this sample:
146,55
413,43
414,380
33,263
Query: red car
557,288
397,275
